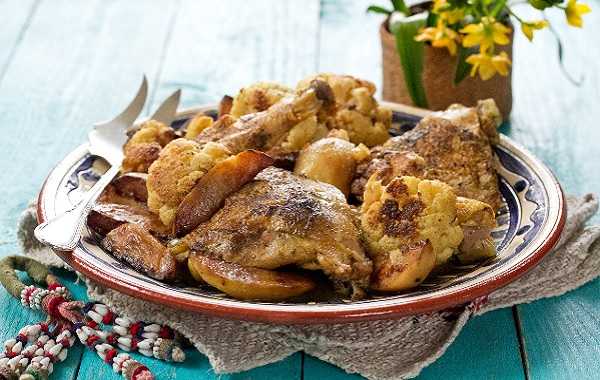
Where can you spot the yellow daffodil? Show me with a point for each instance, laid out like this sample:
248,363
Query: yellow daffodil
529,27
442,9
574,12
488,65
485,34
440,36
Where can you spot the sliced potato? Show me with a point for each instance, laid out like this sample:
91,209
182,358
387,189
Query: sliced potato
477,219
136,246
247,283
225,105
211,190
330,160
404,268
132,185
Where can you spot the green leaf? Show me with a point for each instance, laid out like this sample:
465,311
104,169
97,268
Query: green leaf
497,8
401,7
411,54
378,9
462,67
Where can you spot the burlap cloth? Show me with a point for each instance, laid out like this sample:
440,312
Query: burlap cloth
386,349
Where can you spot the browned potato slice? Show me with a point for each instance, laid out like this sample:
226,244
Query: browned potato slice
211,190
404,269
105,217
330,160
225,105
477,219
136,246
132,185
248,283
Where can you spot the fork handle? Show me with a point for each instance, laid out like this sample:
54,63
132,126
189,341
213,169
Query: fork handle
62,233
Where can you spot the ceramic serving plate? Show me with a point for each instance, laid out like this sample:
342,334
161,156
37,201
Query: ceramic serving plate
529,224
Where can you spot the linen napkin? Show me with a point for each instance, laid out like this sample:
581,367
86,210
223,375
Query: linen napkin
378,350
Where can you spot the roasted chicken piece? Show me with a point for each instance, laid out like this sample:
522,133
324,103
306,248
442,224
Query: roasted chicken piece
331,160
211,190
258,97
137,247
266,130
248,283
280,219
143,147
409,227
477,219
455,148
356,109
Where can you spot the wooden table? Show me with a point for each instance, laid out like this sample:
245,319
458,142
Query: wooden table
66,64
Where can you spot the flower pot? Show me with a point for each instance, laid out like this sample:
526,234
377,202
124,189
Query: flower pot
439,68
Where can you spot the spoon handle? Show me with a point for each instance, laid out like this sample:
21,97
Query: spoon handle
62,233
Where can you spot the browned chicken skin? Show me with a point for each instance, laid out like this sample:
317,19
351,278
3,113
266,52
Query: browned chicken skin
264,130
454,147
280,219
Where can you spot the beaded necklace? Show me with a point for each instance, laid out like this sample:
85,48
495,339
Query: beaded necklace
32,354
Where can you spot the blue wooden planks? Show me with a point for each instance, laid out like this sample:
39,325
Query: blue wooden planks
67,65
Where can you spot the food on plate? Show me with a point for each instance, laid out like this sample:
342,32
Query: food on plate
455,153
211,190
114,209
248,283
135,245
409,226
265,130
356,111
132,185
331,160
198,123
477,219
144,146
291,188
258,97
280,219
173,175
225,105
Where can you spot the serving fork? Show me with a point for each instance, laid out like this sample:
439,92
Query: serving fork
106,140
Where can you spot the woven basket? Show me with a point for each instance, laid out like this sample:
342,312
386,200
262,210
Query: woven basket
438,76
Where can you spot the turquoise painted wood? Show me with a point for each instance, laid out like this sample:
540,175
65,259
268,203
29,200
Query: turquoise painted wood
66,64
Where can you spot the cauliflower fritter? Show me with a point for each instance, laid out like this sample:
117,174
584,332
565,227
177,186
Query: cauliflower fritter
409,226
144,146
258,97
173,175
357,110
302,134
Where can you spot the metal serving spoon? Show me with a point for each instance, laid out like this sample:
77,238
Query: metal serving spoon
105,140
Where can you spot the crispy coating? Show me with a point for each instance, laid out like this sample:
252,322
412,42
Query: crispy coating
258,97
407,214
455,149
144,146
280,219
357,111
173,175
